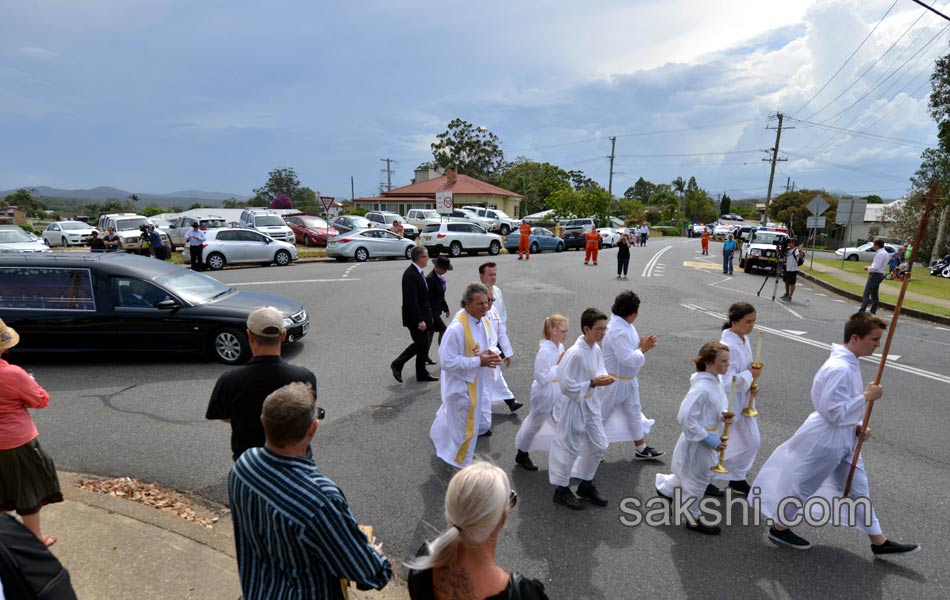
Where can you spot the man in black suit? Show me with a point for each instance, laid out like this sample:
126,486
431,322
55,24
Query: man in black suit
416,316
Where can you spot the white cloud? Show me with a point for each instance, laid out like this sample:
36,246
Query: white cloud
37,53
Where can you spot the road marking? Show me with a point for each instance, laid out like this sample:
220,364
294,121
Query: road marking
291,281
822,295
793,332
889,356
827,347
700,265
942,328
651,264
836,300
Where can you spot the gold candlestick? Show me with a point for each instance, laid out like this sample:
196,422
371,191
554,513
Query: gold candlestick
726,414
750,411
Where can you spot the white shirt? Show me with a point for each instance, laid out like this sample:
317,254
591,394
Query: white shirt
881,257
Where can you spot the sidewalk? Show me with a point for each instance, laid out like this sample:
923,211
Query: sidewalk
115,548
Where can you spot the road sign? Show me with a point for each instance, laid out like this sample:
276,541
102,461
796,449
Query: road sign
327,202
444,203
816,223
850,212
818,205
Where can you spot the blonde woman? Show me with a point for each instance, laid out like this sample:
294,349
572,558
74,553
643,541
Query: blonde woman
545,393
460,563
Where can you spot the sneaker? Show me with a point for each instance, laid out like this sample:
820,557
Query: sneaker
587,491
522,459
713,491
788,538
618,277
513,404
740,487
647,453
889,547
564,495
700,527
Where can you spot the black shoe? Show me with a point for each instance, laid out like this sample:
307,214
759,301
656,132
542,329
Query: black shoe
524,461
564,495
486,434
647,453
587,491
788,538
427,377
513,404
740,487
713,491
429,361
700,527
397,372
889,547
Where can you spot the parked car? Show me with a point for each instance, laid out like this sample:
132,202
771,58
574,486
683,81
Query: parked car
456,237
229,246
128,226
17,241
67,233
498,220
609,236
541,239
182,225
267,222
29,234
420,217
116,302
574,232
310,230
864,252
345,223
761,251
467,216
362,244
384,220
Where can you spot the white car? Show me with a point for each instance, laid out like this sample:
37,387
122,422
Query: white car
723,230
224,247
456,237
68,233
864,252
361,244
420,217
609,236
16,240
385,220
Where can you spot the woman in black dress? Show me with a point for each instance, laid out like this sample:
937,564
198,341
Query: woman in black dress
437,305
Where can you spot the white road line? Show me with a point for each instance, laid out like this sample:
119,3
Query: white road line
793,332
836,300
651,264
291,281
942,328
827,347
889,356
823,295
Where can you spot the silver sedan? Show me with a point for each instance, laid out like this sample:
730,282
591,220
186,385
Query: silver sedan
362,244
239,246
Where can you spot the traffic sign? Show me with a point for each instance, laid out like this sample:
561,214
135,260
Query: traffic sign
444,203
818,205
850,212
816,223
327,202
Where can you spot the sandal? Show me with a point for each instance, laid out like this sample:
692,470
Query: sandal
49,540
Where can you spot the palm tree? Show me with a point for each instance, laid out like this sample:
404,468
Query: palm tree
680,186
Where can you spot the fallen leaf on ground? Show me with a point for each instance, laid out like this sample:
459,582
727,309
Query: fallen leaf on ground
149,494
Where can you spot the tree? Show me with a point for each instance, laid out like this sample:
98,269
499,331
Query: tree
535,181
874,199
641,190
305,198
725,204
282,180
133,201
233,203
151,210
580,181
473,151
24,199
791,208
591,202
281,201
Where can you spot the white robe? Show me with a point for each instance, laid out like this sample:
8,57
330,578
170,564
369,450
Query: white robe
500,390
700,414
744,440
815,461
580,433
624,420
448,431
537,430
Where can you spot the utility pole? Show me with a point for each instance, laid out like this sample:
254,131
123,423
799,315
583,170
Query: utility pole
389,172
774,159
610,181
352,190
788,182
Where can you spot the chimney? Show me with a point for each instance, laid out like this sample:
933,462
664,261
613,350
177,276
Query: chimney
451,175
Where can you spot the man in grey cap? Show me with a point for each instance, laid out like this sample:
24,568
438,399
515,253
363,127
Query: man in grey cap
239,394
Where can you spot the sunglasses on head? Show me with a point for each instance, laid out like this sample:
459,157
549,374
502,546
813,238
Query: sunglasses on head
321,413
512,499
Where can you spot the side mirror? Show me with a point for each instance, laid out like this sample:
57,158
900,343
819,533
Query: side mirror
166,305
270,240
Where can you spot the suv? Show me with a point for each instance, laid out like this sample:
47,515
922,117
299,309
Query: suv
267,222
182,225
761,250
574,232
456,237
384,220
420,217
128,226
498,219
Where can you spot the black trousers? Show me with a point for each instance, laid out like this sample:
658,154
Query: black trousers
622,263
418,348
196,252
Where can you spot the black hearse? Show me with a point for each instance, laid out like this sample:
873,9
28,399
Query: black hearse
117,302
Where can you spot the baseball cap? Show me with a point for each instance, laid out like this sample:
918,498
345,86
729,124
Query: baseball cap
265,321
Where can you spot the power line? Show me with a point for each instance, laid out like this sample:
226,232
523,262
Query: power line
930,8
854,132
688,154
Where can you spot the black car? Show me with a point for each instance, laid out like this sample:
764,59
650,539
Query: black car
576,238
117,302
347,223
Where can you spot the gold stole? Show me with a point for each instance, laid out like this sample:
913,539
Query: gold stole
471,349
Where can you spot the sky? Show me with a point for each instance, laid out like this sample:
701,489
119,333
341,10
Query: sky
157,96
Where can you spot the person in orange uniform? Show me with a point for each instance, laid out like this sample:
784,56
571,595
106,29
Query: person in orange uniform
524,242
705,241
593,242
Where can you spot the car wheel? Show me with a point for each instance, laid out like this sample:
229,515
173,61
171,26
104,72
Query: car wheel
230,346
306,240
282,258
741,263
361,254
494,248
505,230
853,257
455,249
216,261
65,243
747,267
560,247
340,258
945,273
534,248
409,252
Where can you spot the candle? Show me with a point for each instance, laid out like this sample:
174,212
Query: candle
732,394
758,348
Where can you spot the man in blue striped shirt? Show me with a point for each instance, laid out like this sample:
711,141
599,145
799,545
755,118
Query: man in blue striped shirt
295,535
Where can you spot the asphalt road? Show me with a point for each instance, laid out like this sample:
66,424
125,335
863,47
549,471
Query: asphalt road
144,417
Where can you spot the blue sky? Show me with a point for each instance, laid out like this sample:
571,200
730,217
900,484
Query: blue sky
164,95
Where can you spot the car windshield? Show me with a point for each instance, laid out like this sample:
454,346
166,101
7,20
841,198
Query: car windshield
766,237
314,222
213,223
192,287
427,214
160,222
127,224
501,214
361,223
73,225
268,221
431,227
12,236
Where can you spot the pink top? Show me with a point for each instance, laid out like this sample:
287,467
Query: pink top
18,391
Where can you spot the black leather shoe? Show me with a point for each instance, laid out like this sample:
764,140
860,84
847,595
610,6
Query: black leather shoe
513,404
524,461
587,491
429,361
713,491
564,495
486,434
427,377
740,487
397,373
701,527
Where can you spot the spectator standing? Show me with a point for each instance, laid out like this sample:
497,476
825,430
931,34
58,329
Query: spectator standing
704,241
195,240
397,228
791,269
623,255
437,304
112,242
95,243
155,240
728,250
593,244
293,530
460,563
239,394
28,479
644,233
875,272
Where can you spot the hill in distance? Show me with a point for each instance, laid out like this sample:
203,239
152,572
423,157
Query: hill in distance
103,193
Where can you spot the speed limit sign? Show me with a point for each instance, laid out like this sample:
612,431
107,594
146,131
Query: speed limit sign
444,203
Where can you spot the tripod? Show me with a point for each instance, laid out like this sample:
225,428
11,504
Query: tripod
777,272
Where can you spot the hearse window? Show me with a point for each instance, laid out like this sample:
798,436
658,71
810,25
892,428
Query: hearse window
39,288
136,293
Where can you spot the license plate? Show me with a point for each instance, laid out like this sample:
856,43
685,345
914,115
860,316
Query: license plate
332,244
306,328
